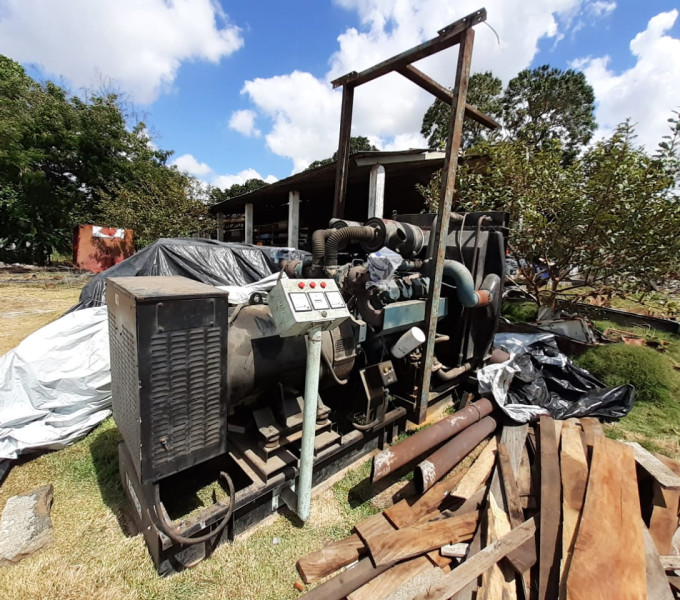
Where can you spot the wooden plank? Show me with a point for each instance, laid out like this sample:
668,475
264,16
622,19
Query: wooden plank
406,513
592,429
499,580
664,520
400,514
419,539
515,437
671,563
345,582
524,557
608,538
372,526
574,467
524,481
658,587
391,580
510,492
478,474
467,592
475,565
549,559
672,464
658,470
558,430
674,580
330,558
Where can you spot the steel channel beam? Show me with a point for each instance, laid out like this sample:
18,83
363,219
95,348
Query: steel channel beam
342,169
449,36
445,95
443,216
391,459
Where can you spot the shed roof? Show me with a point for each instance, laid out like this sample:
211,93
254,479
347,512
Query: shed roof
403,161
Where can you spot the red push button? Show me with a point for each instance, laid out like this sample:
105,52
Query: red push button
312,284
301,285
323,284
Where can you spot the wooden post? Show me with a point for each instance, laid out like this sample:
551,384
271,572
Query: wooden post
220,227
248,231
376,192
293,219
342,168
443,215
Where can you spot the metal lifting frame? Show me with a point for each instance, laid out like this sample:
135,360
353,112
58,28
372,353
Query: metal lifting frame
458,33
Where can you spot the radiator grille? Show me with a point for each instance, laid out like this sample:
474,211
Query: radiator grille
125,384
185,393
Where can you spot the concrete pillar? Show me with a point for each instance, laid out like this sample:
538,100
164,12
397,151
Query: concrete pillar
220,227
376,192
248,231
293,219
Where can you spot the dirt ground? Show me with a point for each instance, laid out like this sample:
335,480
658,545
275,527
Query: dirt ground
32,298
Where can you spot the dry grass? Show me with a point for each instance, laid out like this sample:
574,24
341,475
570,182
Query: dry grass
93,558
25,308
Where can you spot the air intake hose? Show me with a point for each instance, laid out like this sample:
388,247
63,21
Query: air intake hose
465,287
319,245
346,234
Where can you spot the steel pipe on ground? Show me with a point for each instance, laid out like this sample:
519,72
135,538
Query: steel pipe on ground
397,456
439,463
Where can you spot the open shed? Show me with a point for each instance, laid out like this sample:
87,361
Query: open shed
285,213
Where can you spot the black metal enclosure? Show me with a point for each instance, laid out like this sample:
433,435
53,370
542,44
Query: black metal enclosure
168,339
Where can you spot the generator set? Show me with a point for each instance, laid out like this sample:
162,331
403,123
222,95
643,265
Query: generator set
273,395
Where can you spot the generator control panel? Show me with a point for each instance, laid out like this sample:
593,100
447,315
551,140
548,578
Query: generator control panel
297,305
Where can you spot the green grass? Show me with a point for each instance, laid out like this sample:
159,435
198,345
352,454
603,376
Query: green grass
654,420
520,312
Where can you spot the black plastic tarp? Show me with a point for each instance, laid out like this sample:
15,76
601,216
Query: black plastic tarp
207,261
538,379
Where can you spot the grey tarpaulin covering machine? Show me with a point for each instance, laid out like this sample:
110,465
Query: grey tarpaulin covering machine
203,391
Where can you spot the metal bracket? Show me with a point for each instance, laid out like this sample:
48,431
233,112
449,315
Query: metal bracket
285,495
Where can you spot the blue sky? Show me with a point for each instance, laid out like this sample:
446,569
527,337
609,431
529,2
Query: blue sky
241,89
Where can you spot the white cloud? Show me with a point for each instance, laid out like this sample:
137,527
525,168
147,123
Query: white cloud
189,164
648,91
601,8
225,181
304,111
137,46
243,121
207,176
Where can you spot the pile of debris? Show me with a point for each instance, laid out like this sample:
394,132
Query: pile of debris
550,510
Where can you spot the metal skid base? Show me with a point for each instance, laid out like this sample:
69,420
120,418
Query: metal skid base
256,498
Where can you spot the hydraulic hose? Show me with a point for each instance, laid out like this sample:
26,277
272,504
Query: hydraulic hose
346,234
158,517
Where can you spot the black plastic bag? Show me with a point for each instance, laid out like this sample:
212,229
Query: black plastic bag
538,378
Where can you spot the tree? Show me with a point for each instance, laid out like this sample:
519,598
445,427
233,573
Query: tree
539,106
484,92
356,144
610,215
545,104
61,158
157,201
237,189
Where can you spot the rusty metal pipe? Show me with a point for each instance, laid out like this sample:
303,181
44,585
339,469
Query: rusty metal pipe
439,463
397,456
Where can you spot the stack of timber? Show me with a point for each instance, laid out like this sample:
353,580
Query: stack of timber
552,510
